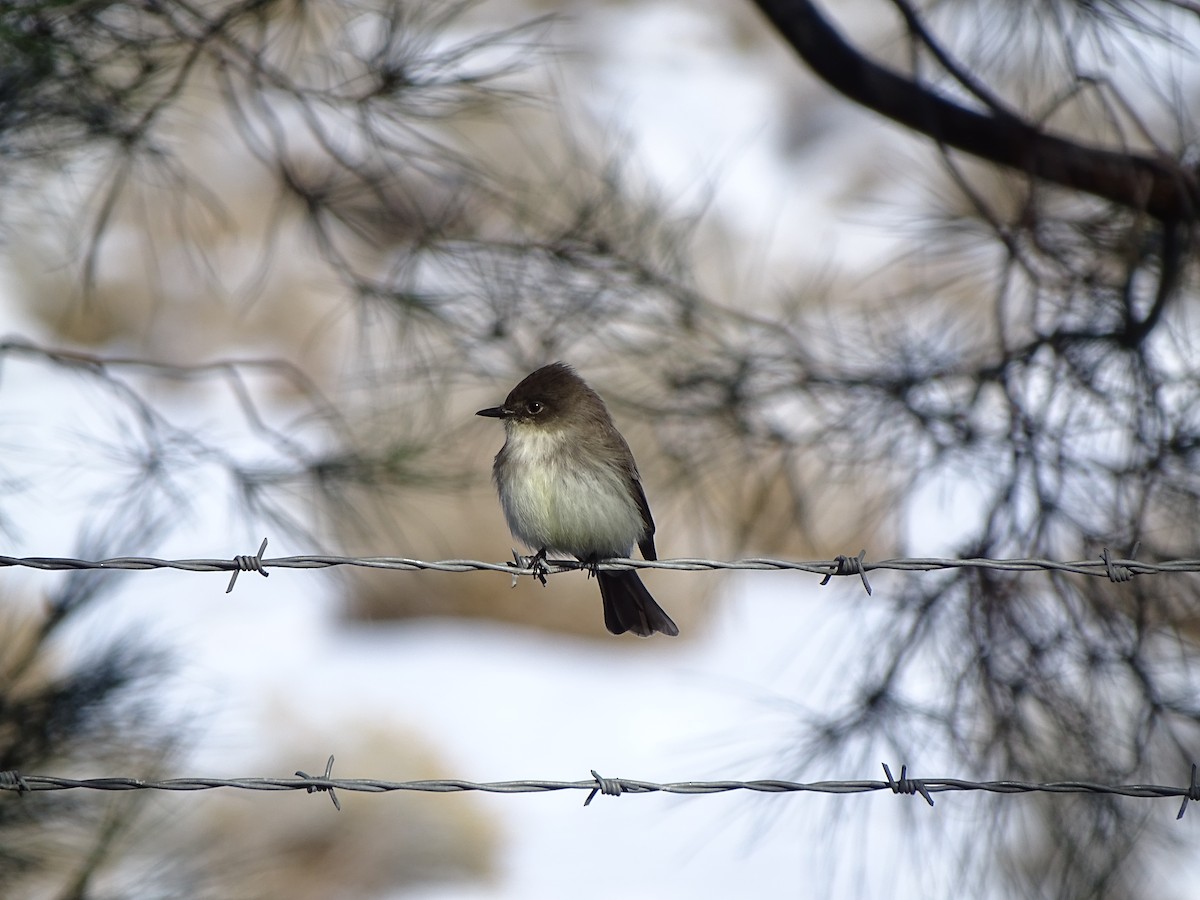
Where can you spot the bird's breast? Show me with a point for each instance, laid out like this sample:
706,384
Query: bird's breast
564,496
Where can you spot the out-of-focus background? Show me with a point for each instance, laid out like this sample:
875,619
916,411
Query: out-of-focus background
261,260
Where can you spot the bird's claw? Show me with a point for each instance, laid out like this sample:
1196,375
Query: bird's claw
592,564
537,563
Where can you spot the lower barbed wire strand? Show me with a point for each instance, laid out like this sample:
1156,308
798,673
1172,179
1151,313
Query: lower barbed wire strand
28,784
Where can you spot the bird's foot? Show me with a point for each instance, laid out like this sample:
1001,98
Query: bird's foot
537,562
592,564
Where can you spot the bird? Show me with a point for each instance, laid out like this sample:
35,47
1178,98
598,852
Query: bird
568,483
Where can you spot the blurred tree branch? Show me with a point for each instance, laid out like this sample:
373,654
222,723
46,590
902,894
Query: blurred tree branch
1157,185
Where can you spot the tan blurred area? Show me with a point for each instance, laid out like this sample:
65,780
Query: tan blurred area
217,263
295,846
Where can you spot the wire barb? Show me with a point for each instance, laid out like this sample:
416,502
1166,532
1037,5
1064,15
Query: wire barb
518,562
327,776
248,564
1117,572
906,785
849,565
1193,793
11,778
610,787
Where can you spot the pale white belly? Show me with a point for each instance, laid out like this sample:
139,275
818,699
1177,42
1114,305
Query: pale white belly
567,507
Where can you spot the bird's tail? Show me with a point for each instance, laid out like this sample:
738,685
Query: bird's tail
628,606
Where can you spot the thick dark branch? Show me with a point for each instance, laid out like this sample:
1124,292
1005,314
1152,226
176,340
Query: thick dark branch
1159,187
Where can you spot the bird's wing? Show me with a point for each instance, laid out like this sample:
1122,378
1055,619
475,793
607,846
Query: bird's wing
646,541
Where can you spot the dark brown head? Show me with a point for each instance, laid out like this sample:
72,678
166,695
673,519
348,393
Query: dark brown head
546,396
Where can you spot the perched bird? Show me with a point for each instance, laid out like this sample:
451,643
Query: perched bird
568,483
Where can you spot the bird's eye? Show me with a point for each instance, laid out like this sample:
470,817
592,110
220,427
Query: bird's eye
533,407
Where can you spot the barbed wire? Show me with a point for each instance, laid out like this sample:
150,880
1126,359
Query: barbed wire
597,784
1105,566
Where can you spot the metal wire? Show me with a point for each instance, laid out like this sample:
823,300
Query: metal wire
597,784
1116,570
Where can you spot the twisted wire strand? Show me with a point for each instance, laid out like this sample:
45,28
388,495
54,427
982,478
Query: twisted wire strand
924,787
1117,570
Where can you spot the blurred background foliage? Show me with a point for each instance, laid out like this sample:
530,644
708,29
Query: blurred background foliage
348,224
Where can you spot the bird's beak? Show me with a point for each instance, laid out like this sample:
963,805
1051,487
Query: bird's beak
494,412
